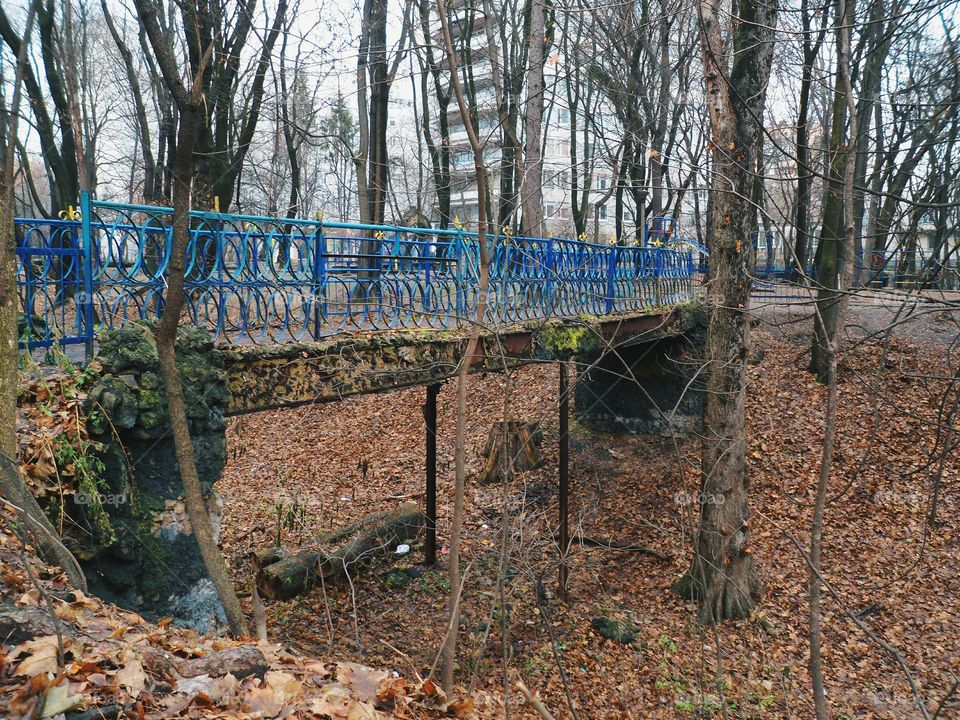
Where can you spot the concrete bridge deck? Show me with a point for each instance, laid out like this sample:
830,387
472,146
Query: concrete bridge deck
292,374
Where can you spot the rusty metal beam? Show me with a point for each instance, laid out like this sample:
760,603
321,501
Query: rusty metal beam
430,418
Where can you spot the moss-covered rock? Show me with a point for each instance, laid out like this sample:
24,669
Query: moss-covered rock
115,399
130,347
154,566
614,629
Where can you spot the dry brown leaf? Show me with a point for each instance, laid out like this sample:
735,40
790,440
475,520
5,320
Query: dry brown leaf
58,700
40,656
363,680
131,676
264,700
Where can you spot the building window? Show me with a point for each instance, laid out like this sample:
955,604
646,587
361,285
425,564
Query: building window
603,211
563,116
602,184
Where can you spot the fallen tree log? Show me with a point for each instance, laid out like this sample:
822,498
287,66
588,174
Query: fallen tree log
267,556
333,554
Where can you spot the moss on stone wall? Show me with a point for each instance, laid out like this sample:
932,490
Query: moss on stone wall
155,562
564,340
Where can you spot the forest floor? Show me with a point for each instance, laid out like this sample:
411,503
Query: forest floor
301,471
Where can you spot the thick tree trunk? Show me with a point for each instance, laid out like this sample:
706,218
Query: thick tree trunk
722,574
532,190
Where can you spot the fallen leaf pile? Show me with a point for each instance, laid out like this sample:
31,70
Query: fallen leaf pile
111,663
52,431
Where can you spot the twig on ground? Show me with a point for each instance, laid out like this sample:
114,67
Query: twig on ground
49,603
533,701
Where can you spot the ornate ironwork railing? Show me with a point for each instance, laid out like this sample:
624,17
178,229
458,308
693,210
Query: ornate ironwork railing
252,279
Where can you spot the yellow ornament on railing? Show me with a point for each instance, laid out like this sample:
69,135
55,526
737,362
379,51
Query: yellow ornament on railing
319,215
71,213
456,222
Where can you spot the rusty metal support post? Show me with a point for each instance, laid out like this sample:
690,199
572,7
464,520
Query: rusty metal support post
430,416
564,473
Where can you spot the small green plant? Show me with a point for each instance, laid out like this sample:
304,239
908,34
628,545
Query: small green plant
290,516
667,644
685,706
81,462
765,702
707,707
678,685
436,582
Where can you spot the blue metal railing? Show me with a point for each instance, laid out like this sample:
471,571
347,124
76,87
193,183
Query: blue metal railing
253,279
898,268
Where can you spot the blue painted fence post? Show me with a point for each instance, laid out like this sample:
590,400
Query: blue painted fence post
86,238
550,265
317,272
658,258
611,278
460,257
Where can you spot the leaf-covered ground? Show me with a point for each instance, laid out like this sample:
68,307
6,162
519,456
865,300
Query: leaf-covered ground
69,656
297,472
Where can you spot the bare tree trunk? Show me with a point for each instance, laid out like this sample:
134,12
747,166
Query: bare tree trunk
13,488
532,198
838,310
722,574
439,152
143,127
801,206
449,652
832,251
166,332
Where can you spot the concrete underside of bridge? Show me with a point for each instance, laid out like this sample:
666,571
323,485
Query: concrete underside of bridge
631,377
292,374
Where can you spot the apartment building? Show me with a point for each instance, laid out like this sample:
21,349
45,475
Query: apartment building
557,179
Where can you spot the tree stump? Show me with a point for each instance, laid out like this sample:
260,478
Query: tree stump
511,447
